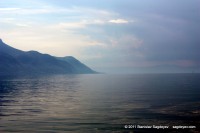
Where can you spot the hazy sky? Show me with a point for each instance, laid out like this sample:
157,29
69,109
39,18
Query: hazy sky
115,36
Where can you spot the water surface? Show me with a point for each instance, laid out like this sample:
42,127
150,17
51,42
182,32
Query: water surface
98,103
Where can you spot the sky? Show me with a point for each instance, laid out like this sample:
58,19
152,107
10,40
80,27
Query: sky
111,36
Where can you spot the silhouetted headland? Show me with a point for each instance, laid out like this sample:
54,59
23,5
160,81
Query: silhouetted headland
18,62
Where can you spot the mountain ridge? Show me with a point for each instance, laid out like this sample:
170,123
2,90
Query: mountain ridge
17,62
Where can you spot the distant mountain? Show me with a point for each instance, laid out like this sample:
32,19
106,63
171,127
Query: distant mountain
77,65
17,62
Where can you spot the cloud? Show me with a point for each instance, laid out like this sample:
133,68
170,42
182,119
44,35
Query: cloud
71,25
128,41
22,25
76,17
8,9
74,25
78,24
26,11
119,21
7,20
105,32
74,10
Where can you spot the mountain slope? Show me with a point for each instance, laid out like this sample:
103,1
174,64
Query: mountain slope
80,67
9,50
17,62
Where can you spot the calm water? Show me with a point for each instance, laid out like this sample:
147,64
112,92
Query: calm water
98,103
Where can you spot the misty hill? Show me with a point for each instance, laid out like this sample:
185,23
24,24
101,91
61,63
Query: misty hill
80,67
17,62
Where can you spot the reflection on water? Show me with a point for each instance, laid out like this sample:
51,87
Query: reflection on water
98,103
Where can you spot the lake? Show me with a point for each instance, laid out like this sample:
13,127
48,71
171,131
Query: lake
100,103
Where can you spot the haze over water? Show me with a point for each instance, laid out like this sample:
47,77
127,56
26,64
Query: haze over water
98,103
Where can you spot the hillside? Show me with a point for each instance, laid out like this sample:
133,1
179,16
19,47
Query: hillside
18,62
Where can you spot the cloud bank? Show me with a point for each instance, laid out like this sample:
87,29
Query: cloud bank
111,36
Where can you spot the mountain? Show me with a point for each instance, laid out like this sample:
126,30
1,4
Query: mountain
77,65
18,62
